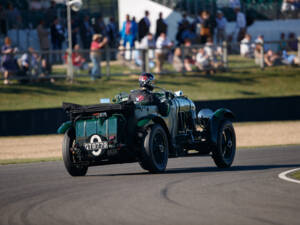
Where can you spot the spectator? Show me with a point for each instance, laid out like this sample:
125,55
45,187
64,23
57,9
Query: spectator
289,59
78,60
43,35
57,37
161,26
75,32
212,52
30,63
196,27
183,25
271,59
234,3
98,43
282,43
128,32
100,27
112,33
9,63
221,27
14,18
258,53
51,13
146,43
292,42
189,34
245,46
86,32
161,44
241,24
3,28
188,56
134,29
144,26
177,61
202,60
205,31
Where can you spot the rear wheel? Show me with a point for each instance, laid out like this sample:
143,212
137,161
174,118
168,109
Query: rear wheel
223,154
155,150
69,158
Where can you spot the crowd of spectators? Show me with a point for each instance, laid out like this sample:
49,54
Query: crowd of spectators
260,51
197,45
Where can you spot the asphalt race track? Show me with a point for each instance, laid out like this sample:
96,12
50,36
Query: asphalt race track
192,191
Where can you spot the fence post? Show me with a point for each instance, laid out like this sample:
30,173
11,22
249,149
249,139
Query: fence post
299,49
145,60
262,61
107,57
225,55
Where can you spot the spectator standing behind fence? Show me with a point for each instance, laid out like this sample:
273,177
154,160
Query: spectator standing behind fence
205,31
86,32
177,60
221,27
97,44
128,32
147,42
241,24
9,63
162,44
57,38
43,35
292,42
134,29
144,26
112,33
161,26
182,26
75,32
14,18
3,27
282,43
100,27
196,27
246,46
202,60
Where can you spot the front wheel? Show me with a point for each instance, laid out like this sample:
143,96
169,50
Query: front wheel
69,158
224,152
155,150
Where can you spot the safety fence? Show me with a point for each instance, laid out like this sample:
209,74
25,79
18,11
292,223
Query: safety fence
194,59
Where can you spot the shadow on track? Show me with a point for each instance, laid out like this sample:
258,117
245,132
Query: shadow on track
207,169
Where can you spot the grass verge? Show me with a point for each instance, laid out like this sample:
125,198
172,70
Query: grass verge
295,175
21,161
236,83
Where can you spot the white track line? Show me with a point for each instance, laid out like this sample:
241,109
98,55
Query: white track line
284,177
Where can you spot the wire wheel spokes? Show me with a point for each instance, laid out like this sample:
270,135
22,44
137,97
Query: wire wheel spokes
159,148
227,143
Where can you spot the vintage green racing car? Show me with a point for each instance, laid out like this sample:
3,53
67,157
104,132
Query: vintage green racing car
148,132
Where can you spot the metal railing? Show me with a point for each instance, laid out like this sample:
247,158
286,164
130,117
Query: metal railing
45,65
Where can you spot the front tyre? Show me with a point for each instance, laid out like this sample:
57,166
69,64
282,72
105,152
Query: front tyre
69,158
223,154
155,150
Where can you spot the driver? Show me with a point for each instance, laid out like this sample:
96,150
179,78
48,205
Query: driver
144,94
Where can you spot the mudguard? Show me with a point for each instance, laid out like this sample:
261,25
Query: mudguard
215,121
64,127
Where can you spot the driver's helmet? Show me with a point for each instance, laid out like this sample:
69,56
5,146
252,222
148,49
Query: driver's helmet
146,80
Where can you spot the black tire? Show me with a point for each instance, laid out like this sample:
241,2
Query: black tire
74,170
223,154
155,150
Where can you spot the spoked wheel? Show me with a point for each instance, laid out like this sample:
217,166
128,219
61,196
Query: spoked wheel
223,154
154,153
69,158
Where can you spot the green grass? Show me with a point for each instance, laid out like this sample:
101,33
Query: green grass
296,175
22,161
236,83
